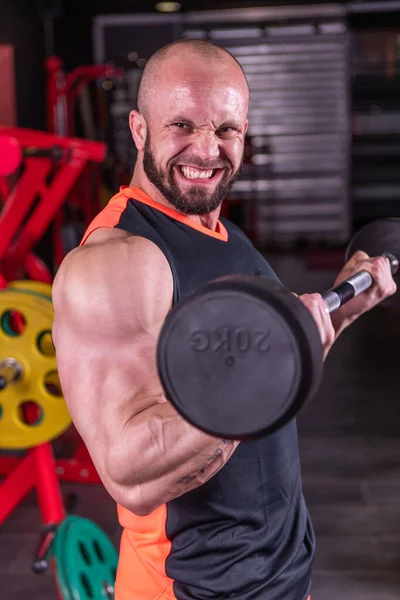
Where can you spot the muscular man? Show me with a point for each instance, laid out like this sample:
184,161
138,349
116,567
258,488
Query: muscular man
202,517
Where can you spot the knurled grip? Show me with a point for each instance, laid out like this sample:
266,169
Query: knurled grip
348,289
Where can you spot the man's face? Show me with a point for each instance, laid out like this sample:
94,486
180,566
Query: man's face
194,147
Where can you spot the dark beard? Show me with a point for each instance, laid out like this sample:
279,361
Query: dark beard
198,201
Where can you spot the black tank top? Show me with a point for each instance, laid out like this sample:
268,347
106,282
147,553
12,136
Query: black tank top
246,533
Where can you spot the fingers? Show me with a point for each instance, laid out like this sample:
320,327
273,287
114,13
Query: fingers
382,276
318,309
356,258
383,282
379,269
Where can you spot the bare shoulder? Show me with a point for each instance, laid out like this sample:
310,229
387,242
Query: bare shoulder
114,275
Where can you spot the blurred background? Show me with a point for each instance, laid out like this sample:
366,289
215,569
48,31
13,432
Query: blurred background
321,161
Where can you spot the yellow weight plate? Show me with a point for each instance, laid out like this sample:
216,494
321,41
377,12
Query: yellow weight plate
25,338
27,285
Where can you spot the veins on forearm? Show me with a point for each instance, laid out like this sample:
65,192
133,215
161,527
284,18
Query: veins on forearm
189,478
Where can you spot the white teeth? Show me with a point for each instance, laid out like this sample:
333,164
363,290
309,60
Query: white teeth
190,173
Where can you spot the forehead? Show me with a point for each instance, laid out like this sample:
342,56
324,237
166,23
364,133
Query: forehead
202,95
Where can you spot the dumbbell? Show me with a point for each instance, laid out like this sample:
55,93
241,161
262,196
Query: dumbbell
241,356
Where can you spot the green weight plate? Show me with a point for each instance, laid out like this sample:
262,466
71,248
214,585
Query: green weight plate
88,560
57,559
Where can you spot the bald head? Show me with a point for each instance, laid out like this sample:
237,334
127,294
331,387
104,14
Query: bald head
190,127
184,58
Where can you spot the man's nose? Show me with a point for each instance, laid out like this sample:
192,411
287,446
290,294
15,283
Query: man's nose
206,146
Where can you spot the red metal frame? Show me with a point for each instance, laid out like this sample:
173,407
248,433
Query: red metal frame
36,470
71,470
63,90
4,188
55,170
27,210
33,189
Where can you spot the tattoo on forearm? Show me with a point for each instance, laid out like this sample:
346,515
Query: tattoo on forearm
189,478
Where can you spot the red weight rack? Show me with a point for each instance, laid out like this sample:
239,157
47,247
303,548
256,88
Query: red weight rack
63,90
32,196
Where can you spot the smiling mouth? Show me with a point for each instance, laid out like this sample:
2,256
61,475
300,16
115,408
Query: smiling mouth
196,173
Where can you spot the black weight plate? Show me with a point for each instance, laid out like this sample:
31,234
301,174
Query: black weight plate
239,358
375,239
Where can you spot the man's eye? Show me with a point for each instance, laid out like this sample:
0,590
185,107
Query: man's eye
226,132
183,126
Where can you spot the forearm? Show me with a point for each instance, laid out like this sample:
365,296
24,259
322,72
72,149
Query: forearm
160,456
339,323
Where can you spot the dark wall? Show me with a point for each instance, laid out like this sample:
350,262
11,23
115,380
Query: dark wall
21,27
73,33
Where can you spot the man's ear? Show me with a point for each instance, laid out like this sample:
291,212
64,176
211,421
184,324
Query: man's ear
246,126
138,127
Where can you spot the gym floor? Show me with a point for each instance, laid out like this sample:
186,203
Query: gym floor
350,451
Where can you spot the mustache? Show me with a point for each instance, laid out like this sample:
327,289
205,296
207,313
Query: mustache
194,161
